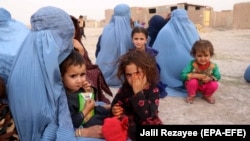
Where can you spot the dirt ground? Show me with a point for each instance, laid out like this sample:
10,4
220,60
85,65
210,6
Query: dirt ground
232,54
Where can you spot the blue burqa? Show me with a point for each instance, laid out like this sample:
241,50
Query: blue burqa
12,35
115,41
174,42
247,74
36,94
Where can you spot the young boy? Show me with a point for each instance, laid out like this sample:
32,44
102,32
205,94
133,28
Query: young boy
80,94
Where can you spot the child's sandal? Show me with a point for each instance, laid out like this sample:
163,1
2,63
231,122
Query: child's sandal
209,99
190,99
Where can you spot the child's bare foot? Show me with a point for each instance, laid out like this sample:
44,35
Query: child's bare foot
209,99
190,99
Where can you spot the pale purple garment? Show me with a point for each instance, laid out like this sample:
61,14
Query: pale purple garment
115,41
174,42
35,90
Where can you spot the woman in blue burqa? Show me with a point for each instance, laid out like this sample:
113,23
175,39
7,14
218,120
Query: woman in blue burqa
174,42
35,91
12,34
115,41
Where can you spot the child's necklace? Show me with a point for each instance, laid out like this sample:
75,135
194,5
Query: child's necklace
204,67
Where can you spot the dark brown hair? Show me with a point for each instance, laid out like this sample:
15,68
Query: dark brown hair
78,35
142,60
81,16
139,30
202,46
74,58
2,89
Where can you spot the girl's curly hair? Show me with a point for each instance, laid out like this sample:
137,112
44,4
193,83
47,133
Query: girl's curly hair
142,60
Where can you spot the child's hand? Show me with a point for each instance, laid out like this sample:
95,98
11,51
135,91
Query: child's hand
139,82
198,76
90,104
87,86
206,79
117,110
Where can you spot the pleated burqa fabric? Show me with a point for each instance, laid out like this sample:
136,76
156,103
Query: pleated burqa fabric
174,42
35,90
12,35
115,41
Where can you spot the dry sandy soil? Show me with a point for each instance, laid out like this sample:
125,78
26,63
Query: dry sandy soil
232,54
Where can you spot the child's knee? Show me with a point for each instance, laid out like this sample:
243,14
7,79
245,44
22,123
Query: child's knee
192,82
213,85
